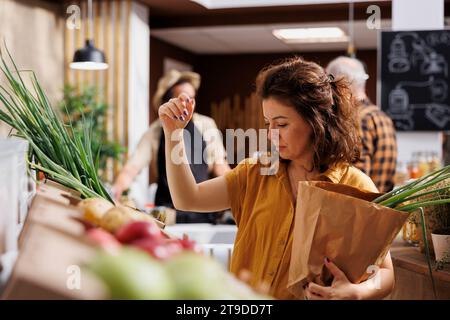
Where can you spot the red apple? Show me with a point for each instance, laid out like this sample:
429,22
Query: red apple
103,238
138,230
161,249
153,247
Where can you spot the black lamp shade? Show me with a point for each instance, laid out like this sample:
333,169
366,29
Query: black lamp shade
89,58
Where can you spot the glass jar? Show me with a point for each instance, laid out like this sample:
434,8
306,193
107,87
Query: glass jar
435,162
413,170
401,174
411,233
422,163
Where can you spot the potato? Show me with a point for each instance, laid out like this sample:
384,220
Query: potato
94,209
140,216
114,218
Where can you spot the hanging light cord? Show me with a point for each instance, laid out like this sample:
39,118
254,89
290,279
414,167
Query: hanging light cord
351,45
90,19
2,21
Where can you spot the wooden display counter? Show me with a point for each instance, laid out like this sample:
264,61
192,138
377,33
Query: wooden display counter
52,250
412,277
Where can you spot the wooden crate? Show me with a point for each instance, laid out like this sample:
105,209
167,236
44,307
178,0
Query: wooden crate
52,252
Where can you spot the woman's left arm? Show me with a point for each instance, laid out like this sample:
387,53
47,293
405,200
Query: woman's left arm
377,287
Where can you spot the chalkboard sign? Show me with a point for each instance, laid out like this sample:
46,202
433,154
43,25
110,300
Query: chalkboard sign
414,79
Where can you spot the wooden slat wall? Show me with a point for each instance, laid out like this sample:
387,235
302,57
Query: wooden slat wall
110,32
235,116
230,113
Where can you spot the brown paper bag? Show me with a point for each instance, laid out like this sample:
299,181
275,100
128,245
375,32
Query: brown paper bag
339,222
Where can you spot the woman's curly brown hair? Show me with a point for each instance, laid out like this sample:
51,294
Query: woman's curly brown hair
323,102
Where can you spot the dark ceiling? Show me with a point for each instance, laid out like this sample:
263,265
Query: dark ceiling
185,13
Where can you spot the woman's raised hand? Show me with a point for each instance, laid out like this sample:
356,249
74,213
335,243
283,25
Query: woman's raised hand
176,113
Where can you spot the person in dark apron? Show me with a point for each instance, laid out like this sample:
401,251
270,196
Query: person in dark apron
194,151
172,84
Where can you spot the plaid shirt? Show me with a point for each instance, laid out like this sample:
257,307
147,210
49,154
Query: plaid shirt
378,156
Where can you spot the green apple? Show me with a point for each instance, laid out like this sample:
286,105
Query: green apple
197,277
133,274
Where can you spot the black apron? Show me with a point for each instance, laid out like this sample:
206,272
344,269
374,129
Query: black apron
194,151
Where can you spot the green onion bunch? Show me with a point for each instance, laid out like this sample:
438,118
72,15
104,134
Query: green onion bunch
62,153
410,197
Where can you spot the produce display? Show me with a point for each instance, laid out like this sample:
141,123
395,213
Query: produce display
138,260
141,262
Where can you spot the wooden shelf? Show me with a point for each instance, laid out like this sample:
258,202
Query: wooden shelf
412,277
410,258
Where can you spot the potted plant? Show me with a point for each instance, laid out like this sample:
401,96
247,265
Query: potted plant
79,108
437,221
441,230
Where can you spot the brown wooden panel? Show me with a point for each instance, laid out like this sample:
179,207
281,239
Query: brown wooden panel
226,75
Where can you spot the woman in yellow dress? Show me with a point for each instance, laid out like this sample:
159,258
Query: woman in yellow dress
310,121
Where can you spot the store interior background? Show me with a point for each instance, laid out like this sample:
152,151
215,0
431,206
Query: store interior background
227,47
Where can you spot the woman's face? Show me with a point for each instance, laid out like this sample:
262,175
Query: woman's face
183,87
294,140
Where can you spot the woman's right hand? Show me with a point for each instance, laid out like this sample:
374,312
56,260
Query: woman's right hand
176,113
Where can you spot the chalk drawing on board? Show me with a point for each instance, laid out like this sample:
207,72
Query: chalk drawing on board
439,114
400,110
400,61
398,58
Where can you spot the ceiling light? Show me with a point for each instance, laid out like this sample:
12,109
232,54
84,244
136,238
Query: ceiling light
310,35
89,57
228,4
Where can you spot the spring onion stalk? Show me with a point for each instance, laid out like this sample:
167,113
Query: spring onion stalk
401,198
427,250
58,150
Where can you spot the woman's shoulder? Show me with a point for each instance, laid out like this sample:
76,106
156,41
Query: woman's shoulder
248,164
356,178
260,164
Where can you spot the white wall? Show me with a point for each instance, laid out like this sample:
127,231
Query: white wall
34,34
139,77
